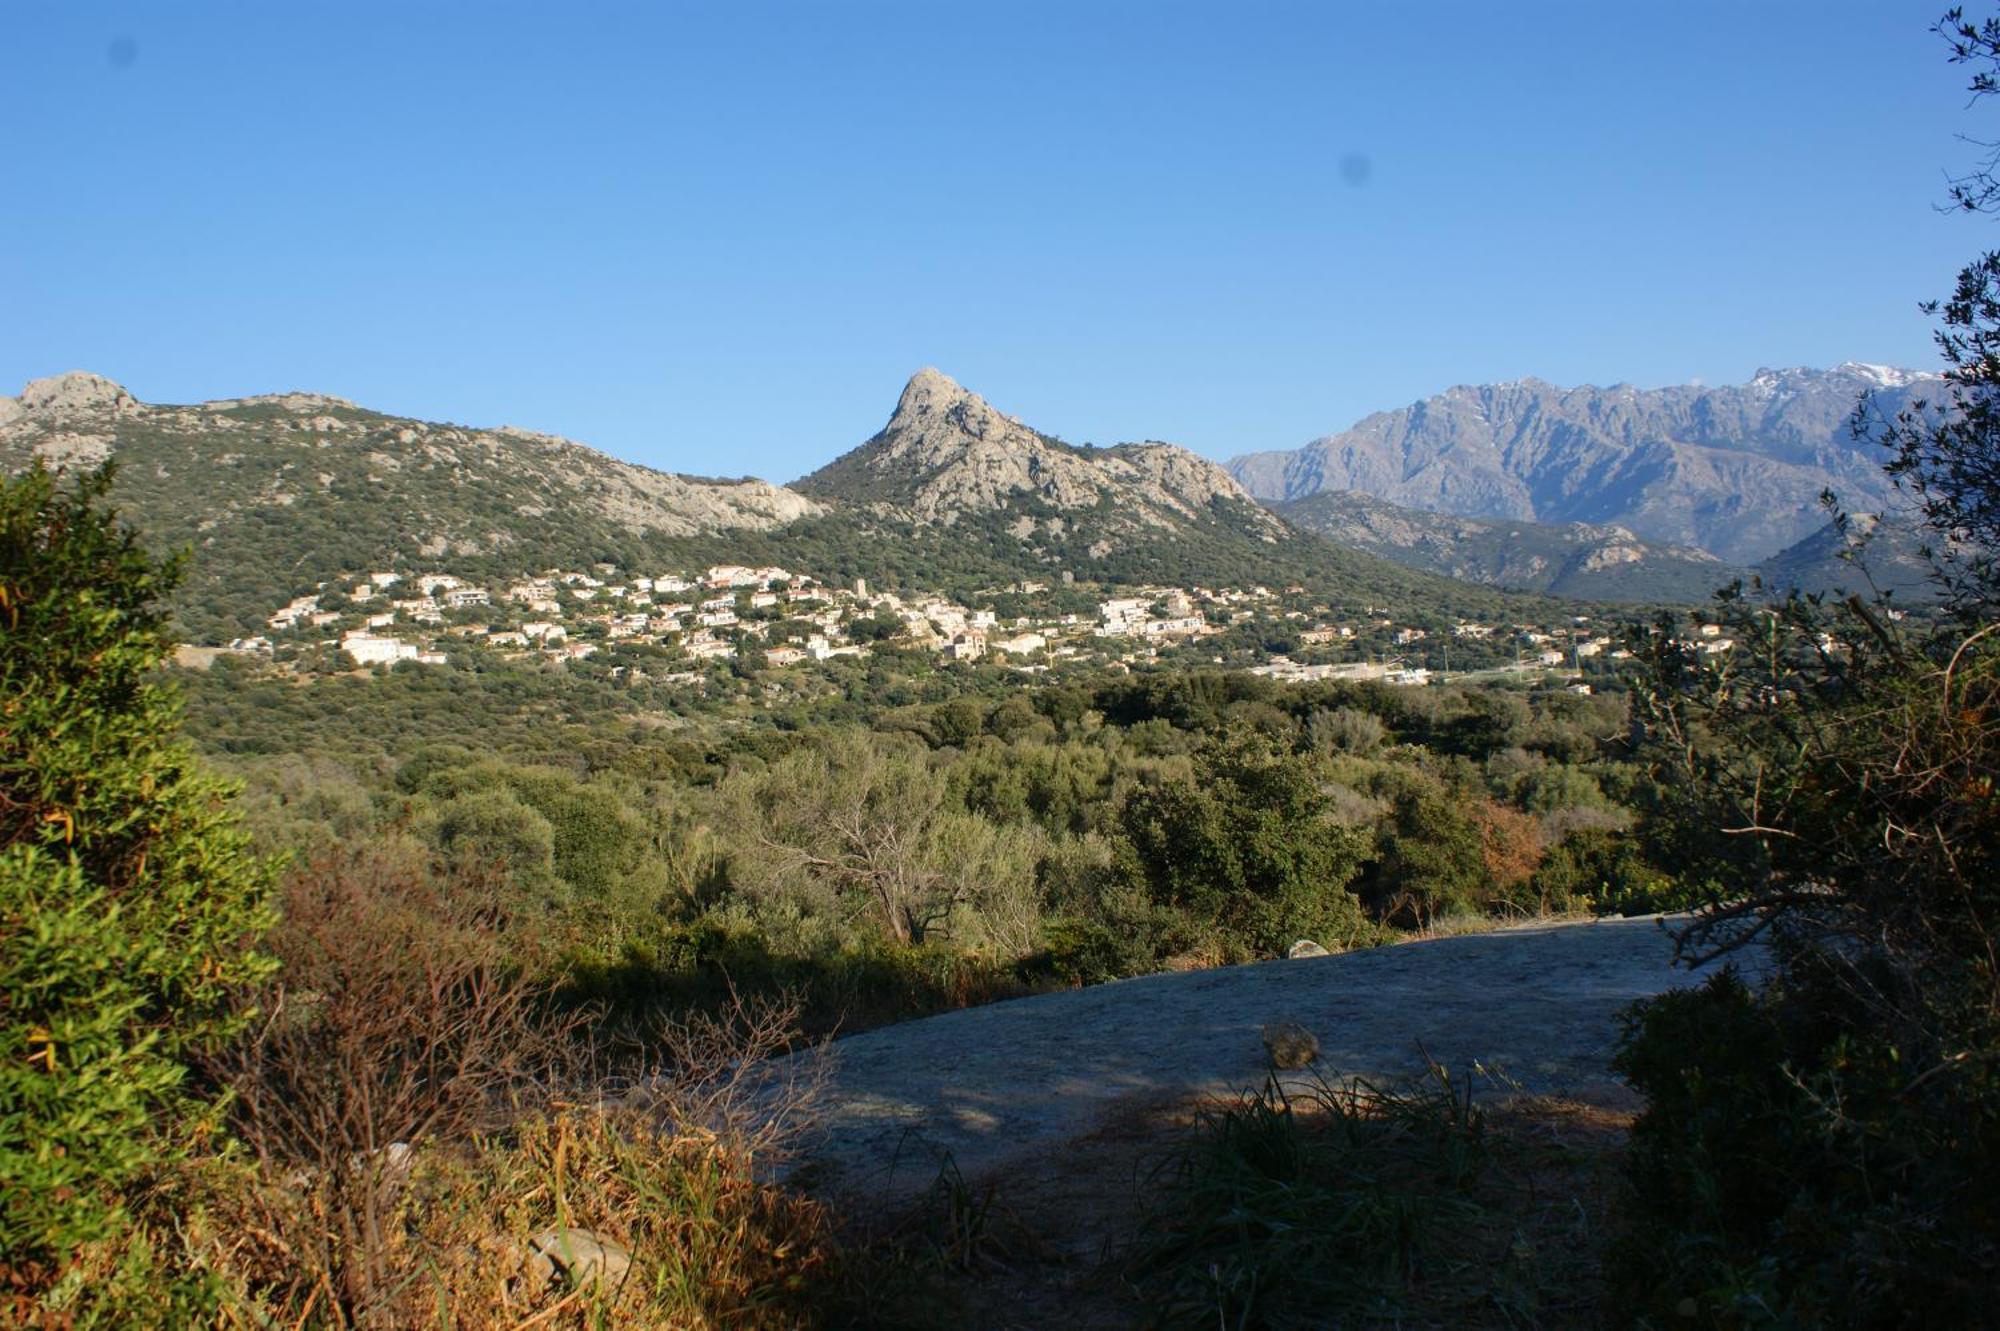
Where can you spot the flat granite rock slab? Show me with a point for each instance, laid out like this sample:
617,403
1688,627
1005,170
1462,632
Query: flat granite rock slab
1530,1009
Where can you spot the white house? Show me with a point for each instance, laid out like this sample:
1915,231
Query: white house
368,649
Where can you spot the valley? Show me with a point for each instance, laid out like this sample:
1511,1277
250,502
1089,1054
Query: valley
1081,753
893,666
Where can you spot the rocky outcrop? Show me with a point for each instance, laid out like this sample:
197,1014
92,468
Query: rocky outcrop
1736,471
946,453
77,391
289,401
644,499
1015,1086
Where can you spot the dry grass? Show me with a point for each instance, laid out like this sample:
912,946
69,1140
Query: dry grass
1456,925
712,1243
683,1186
410,1111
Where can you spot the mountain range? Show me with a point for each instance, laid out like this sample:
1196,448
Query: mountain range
276,493
1577,559
1734,471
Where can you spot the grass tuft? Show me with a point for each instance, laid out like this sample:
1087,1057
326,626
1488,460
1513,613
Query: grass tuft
1351,1204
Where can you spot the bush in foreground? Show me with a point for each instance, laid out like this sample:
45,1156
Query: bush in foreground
129,901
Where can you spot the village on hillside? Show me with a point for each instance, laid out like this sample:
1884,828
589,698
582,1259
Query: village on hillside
777,619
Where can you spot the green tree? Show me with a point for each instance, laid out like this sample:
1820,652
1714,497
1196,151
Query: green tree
864,827
129,899
1947,450
1825,1149
1344,730
493,827
1245,846
1433,860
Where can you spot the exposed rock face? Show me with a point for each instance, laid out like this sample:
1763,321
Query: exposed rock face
76,391
643,498
1736,471
946,453
289,401
73,451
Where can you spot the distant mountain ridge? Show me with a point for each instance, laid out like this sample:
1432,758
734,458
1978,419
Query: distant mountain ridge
1575,559
279,492
950,472
298,443
1611,563
1735,471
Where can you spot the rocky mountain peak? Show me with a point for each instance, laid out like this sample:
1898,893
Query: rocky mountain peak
935,408
931,390
77,390
946,453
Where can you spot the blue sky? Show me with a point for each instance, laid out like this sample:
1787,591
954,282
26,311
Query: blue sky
717,238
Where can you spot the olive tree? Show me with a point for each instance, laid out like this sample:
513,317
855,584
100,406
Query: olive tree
862,826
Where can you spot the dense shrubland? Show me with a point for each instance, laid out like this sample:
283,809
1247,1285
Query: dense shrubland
365,1106
345,1083
946,836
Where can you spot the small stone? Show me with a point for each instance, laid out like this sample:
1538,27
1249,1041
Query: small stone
518,1265
391,1162
583,1257
531,1268
1305,947
1289,1044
